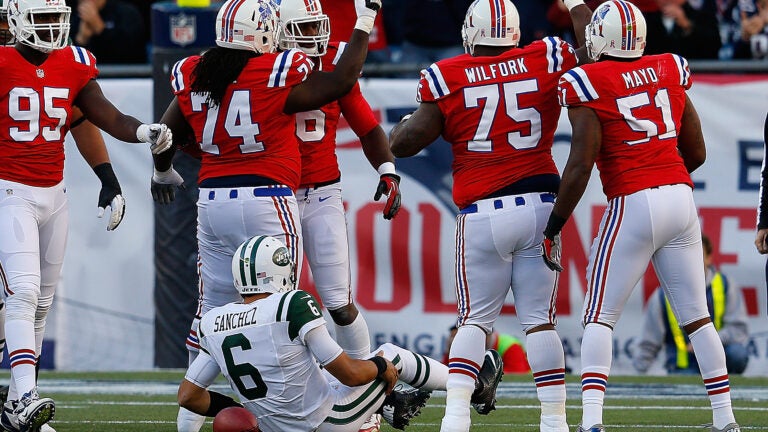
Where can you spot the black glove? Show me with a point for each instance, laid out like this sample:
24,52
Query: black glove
389,185
110,195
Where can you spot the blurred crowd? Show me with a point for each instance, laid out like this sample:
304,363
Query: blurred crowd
419,32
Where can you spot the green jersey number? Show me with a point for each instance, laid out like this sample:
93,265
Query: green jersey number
238,371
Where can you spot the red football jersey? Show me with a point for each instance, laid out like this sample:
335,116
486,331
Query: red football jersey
248,134
639,104
500,114
35,112
316,129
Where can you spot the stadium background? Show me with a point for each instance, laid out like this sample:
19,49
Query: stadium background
104,317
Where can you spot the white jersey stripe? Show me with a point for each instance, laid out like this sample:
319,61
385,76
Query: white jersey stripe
682,69
437,84
177,79
81,55
342,47
581,84
554,54
280,69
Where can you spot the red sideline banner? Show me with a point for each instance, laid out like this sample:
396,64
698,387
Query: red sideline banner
403,270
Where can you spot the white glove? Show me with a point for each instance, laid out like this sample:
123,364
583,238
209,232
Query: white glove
164,185
157,135
117,211
366,14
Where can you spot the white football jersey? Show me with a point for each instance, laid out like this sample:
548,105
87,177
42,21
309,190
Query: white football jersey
260,349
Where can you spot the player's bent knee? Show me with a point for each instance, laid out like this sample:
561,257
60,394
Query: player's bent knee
344,315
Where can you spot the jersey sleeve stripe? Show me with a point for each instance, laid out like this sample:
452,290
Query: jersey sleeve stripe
282,309
554,54
177,79
581,84
437,84
279,69
682,69
339,51
81,56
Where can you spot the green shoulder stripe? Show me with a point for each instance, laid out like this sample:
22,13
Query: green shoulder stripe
302,309
200,338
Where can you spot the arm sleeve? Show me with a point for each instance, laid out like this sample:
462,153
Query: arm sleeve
203,371
735,320
322,345
762,209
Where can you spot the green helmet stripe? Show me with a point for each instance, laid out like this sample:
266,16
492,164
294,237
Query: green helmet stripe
254,250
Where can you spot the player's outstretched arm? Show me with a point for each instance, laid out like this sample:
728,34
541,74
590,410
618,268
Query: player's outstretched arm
322,88
417,130
376,148
108,118
165,179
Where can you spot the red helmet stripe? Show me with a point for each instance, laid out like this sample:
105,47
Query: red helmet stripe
228,22
628,30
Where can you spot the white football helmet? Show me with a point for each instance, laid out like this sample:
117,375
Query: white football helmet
26,22
491,22
617,29
293,15
262,264
249,25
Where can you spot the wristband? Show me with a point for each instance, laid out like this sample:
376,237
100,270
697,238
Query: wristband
218,403
570,4
386,168
107,176
555,223
381,364
365,23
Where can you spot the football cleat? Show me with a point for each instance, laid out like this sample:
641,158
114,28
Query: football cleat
730,427
403,404
484,397
594,428
28,414
373,424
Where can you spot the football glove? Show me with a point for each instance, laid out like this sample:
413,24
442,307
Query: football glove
164,184
157,135
551,252
366,14
389,185
110,195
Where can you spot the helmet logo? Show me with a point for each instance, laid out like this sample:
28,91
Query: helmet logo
281,257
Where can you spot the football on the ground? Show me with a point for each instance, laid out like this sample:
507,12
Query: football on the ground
235,419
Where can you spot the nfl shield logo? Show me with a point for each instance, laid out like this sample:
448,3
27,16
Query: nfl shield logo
183,30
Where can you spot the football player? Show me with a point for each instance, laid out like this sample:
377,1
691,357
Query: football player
239,101
273,383
497,106
304,26
761,239
43,80
91,145
631,116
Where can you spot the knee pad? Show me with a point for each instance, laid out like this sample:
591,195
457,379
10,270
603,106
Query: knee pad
22,305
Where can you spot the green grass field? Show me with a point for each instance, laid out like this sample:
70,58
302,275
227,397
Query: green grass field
146,401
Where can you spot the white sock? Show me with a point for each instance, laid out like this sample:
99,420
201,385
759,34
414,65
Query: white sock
417,370
22,354
596,352
354,338
714,373
187,421
547,360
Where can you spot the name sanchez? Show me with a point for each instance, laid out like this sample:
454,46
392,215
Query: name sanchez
232,321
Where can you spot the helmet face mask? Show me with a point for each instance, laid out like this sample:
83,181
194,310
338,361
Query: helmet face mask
263,264
40,24
303,25
249,25
491,23
617,29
